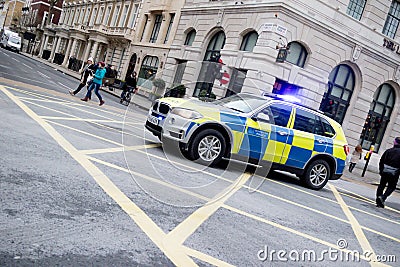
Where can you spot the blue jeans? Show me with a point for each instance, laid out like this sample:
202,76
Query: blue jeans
96,88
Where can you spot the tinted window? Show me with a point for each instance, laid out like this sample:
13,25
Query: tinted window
327,128
305,121
281,114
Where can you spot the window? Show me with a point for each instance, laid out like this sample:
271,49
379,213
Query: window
107,16
77,16
133,16
93,17
124,15
207,72
115,18
180,70
236,82
249,41
356,8
328,130
378,117
70,19
146,19
86,18
297,54
305,121
82,15
156,29
100,16
148,71
340,89
190,37
392,19
280,114
171,21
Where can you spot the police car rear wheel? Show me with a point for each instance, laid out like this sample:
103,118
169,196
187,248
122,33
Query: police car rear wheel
317,174
208,147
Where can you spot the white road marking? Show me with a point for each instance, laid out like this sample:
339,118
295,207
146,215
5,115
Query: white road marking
15,59
63,85
44,75
29,67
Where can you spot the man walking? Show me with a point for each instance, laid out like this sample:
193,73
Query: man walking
87,71
97,82
391,158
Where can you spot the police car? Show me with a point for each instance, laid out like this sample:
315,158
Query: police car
267,129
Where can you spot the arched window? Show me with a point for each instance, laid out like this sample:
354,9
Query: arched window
249,41
190,37
297,54
340,88
378,117
148,71
209,69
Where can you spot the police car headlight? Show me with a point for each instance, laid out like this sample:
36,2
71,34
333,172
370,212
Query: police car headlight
186,113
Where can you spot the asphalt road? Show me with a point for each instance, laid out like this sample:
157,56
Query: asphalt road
83,185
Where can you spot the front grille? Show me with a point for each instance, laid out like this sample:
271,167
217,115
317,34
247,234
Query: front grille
163,108
155,107
153,128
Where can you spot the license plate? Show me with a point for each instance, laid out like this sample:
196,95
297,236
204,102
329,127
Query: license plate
153,119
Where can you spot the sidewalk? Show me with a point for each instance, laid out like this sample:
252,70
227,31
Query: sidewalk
370,177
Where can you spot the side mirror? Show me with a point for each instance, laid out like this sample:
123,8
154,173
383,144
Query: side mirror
263,117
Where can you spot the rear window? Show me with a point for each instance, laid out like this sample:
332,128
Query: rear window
305,121
327,128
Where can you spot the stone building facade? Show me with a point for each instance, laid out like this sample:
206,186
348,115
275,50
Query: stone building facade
132,35
341,57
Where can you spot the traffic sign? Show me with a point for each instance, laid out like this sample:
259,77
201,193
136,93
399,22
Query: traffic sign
225,78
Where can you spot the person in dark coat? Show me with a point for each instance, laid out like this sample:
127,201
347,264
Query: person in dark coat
390,157
86,73
130,85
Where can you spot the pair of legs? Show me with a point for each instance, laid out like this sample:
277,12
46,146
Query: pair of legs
80,86
391,182
351,166
96,88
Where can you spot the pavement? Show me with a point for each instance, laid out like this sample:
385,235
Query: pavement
371,177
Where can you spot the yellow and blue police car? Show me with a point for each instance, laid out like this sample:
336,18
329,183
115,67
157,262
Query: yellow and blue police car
268,128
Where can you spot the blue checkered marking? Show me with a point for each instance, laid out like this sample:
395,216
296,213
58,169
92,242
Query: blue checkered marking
298,157
340,165
282,138
235,122
329,146
320,147
254,143
189,127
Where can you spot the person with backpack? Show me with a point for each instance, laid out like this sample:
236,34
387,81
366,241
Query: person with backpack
96,84
389,169
87,72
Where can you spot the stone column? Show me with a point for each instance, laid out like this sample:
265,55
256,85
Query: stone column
67,51
87,52
149,28
72,51
95,50
44,45
56,46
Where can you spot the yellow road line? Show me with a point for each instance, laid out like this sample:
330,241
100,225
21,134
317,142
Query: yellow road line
290,230
176,255
196,219
206,258
357,229
118,149
85,133
244,186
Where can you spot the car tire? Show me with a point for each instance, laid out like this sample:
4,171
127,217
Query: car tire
207,147
316,175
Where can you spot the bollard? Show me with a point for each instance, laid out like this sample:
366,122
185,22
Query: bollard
367,158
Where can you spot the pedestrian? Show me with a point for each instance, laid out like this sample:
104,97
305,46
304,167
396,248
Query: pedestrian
87,72
96,84
355,157
389,169
129,85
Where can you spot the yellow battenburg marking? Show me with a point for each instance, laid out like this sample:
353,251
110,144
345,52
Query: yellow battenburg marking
303,140
237,141
274,151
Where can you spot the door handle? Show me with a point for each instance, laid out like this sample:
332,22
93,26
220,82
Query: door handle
321,141
282,133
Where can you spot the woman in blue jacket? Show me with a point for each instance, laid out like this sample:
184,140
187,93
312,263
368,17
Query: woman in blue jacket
97,82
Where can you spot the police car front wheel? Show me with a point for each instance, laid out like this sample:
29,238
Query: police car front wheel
208,147
317,174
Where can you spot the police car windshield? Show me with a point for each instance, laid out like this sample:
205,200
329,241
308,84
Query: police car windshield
242,102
